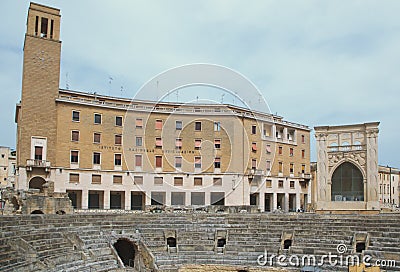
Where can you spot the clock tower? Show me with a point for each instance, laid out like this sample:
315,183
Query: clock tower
35,114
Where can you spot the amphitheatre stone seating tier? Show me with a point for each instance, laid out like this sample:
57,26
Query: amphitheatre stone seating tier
84,242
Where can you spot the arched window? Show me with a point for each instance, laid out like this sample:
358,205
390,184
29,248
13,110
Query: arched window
345,146
357,145
347,183
333,147
37,183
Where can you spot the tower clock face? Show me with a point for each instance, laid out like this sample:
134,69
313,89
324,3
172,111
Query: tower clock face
42,59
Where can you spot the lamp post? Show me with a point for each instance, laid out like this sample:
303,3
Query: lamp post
390,183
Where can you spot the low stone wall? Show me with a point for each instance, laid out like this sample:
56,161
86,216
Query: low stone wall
226,268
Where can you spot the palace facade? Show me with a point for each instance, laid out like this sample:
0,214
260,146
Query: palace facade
117,153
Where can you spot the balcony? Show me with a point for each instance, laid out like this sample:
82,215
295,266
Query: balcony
31,163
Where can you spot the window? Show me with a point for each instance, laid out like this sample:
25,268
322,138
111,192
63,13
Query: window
217,198
73,178
43,29
157,198
96,179
280,164
158,124
217,163
268,165
97,118
138,180
268,183
118,139
178,125
303,139
217,181
158,180
280,183
178,162
51,28
217,126
291,168
177,198
118,121
198,181
254,147
37,26
197,198
253,129
139,123
117,179
197,143
158,161
138,160
178,181
158,142
197,126
96,158
117,159
217,143
38,153
280,150
268,149
139,141
303,153
74,156
75,136
291,152
253,164
197,162
96,138
303,168
178,143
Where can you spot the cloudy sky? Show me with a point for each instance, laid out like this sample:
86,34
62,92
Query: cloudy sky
315,62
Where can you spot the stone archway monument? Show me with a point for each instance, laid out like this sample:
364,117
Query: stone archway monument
347,169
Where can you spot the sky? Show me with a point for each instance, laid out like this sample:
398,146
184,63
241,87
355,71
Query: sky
315,62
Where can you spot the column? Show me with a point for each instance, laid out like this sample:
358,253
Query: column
127,200
261,200
274,202
106,201
286,204
85,199
298,201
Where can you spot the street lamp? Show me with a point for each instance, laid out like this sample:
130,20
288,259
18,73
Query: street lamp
390,183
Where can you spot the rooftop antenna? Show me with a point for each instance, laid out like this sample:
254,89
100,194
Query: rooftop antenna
222,98
197,99
122,90
66,81
110,79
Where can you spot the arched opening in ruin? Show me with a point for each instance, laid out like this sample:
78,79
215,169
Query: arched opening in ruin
60,212
287,244
221,242
126,251
37,212
347,183
360,246
171,241
37,183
